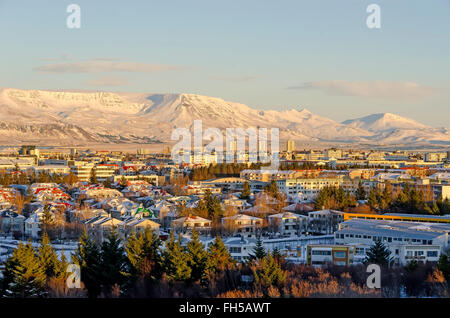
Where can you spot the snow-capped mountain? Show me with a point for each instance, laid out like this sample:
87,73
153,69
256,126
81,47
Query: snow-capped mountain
383,122
394,129
77,118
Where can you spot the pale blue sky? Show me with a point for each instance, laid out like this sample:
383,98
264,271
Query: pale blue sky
317,54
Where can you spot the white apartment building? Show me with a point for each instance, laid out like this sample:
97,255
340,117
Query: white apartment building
227,183
197,187
243,225
333,153
268,175
306,189
293,248
105,171
240,248
52,169
21,162
188,223
82,170
422,242
324,221
435,156
102,171
288,224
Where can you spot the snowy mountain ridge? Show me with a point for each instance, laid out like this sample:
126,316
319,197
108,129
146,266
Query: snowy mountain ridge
80,117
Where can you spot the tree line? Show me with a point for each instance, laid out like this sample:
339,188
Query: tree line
408,199
27,178
140,267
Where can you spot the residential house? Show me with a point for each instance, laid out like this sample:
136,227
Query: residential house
288,224
243,225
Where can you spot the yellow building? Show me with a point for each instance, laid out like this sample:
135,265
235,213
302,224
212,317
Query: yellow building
341,255
398,217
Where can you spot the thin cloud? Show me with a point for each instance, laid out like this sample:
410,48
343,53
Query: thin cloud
102,66
371,89
62,57
105,59
234,78
107,81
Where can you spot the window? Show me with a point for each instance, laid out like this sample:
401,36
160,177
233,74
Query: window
360,251
325,253
235,249
432,253
340,254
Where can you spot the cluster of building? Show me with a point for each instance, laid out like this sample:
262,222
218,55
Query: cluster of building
139,195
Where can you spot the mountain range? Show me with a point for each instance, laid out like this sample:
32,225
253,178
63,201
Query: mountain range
69,118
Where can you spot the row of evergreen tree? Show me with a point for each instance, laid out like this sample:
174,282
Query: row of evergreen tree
408,199
28,271
117,268
25,178
334,198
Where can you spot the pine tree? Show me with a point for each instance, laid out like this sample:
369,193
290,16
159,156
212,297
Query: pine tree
444,264
374,198
245,191
143,254
61,267
272,189
435,209
134,250
23,275
201,209
268,272
175,260
378,254
360,192
213,205
47,257
114,263
386,196
107,183
277,255
47,220
93,176
258,251
87,256
219,258
443,205
197,256
412,266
